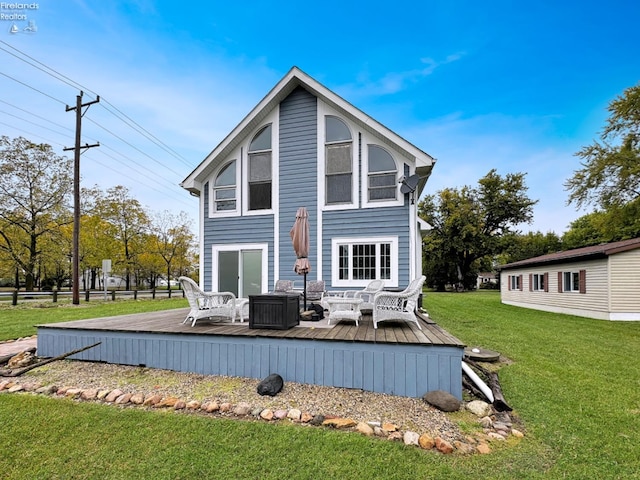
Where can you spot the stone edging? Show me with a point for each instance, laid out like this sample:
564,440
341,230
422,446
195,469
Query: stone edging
495,429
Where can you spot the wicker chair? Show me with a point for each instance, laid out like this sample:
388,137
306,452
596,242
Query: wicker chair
367,294
315,290
207,304
283,286
398,305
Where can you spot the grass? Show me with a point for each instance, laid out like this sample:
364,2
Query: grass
20,320
574,382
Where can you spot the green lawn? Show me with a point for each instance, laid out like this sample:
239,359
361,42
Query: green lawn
574,382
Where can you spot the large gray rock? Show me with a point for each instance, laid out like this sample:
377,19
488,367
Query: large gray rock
271,385
442,400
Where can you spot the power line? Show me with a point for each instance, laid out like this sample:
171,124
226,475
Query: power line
32,88
127,120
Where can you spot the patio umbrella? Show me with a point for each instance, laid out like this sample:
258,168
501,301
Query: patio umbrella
300,238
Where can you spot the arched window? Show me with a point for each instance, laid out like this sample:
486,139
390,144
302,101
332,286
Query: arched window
224,189
338,162
260,170
382,175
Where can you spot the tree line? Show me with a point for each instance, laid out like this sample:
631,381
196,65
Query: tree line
36,226
474,229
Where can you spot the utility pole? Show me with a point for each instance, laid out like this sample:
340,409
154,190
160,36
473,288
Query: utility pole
75,277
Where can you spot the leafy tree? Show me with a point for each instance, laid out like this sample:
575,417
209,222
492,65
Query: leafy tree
34,187
172,239
610,173
129,221
468,224
518,247
604,226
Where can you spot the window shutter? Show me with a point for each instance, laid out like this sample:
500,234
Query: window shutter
531,282
559,282
520,278
509,281
583,281
546,281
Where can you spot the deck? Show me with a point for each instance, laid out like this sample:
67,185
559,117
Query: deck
397,358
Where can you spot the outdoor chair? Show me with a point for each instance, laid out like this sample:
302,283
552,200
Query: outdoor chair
398,305
315,290
366,294
207,304
283,286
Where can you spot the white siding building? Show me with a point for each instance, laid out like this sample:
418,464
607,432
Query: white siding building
601,281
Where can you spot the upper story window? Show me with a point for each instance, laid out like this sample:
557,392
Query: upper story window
224,189
260,170
338,162
382,174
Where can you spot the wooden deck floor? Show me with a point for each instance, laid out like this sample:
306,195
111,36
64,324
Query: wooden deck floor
170,322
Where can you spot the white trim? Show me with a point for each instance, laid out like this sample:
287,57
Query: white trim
324,110
271,119
238,247
226,213
201,222
292,79
335,255
364,173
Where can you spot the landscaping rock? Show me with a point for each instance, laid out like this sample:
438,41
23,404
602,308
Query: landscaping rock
242,409
339,423
364,429
411,438
294,414
442,400
426,441
109,398
479,408
271,385
443,446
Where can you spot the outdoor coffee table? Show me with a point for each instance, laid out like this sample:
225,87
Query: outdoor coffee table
341,308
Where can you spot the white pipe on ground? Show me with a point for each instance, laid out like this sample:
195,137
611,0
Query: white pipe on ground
478,381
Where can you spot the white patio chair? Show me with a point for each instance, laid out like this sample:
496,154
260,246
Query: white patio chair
315,290
398,305
366,294
207,304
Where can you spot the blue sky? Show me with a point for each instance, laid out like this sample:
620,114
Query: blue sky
516,86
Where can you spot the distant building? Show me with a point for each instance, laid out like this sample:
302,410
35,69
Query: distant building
601,281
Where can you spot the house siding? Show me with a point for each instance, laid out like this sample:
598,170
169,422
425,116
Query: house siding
230,231
593,303
368,223
298,174
624,284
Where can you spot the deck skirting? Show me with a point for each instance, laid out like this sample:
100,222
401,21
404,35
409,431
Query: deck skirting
408,370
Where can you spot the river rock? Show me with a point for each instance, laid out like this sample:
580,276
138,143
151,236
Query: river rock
442,400
479,408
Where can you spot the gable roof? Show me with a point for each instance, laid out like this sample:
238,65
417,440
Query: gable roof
293,79
578,254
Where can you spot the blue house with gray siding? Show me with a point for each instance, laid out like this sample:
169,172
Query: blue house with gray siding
304,146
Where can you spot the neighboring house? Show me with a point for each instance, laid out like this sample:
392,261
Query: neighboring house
304,146
602,281
486,278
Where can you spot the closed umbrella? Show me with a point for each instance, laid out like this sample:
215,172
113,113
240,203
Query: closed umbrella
300,238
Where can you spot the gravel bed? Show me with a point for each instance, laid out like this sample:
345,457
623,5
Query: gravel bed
407,413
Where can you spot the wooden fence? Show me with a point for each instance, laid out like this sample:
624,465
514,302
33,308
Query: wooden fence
21,296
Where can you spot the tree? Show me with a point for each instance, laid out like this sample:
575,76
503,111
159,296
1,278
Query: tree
468,224
130,222
172,239
518,247
610,173
35,185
